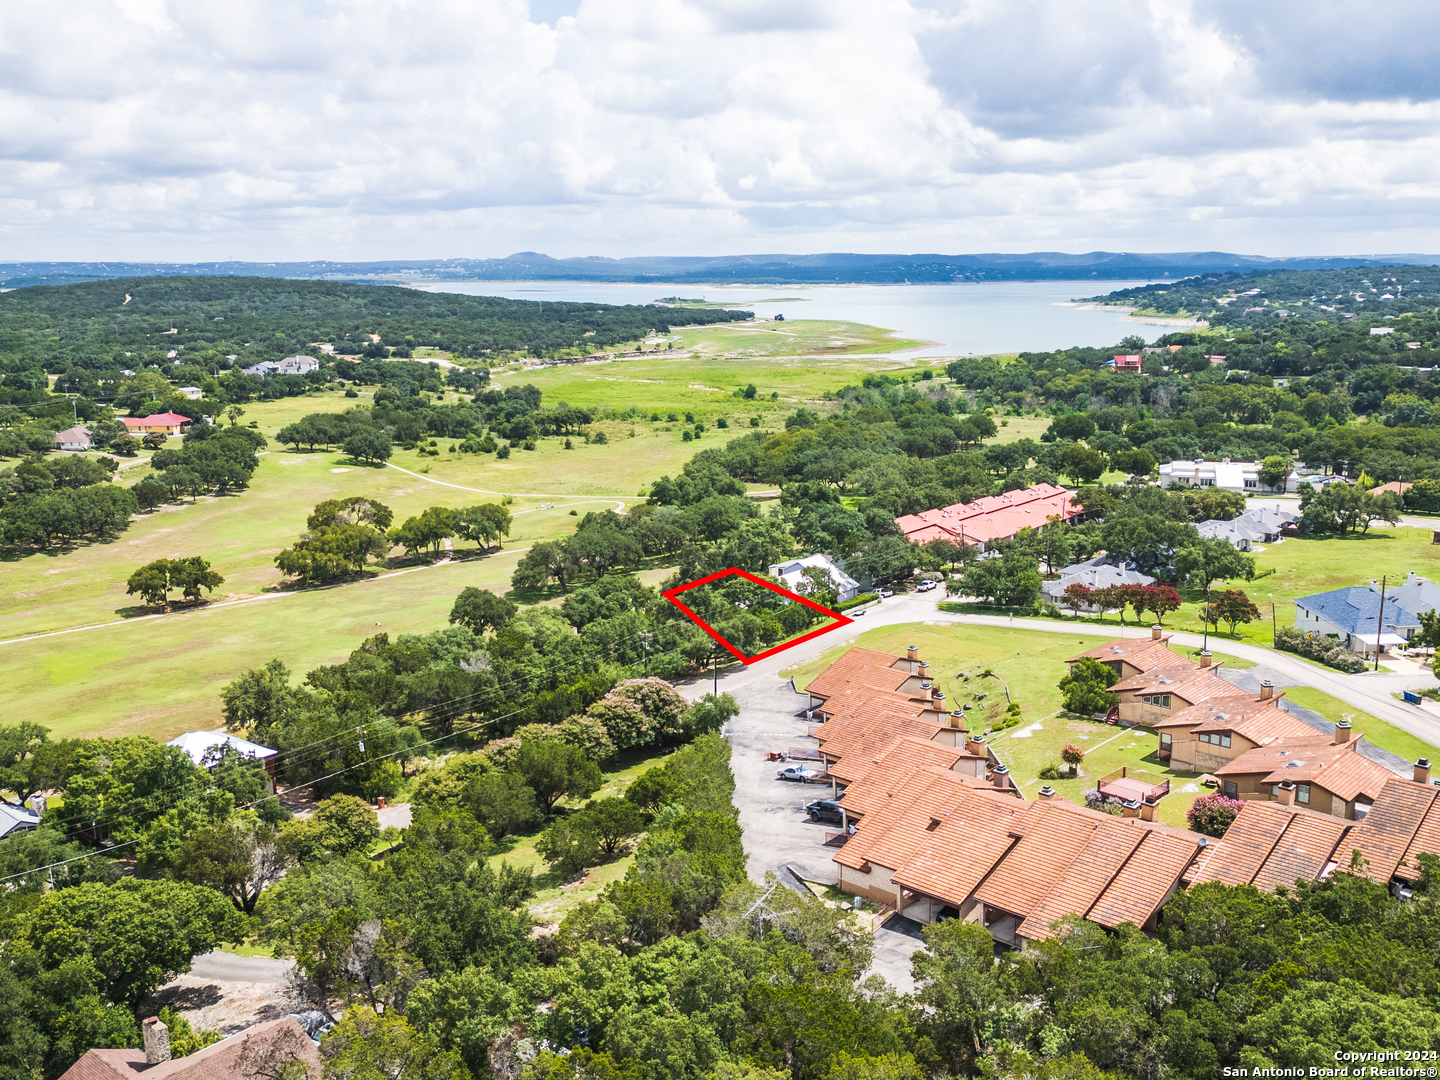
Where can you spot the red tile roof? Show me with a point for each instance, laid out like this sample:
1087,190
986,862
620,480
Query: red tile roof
1337,767
1271,844
228,1059
991,518
1403,822
859,668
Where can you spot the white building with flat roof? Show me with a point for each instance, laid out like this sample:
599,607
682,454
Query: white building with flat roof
1241,476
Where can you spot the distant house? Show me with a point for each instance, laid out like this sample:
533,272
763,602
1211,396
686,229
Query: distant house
1128,362
165,423
792,575
255,1052
1094,573
75,438
1241,476
194,393
291,365
204,747
1353,615
16,819
1397,486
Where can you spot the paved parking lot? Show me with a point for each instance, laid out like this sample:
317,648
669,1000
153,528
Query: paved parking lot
777,830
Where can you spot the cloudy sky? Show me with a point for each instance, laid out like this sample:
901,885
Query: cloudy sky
300,129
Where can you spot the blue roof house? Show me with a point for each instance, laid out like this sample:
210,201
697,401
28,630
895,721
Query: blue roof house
1353,615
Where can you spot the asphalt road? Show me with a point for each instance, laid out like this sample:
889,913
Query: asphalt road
227,967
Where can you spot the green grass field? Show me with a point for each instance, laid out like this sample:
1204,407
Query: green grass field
1031,663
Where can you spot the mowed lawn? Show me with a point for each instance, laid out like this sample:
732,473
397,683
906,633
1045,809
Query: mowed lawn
163,676
1031,663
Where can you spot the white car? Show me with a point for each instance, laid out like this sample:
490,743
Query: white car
798,773
925,586
883,593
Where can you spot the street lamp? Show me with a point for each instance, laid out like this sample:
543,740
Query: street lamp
1205,618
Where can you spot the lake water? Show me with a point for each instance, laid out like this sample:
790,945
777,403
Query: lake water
981,318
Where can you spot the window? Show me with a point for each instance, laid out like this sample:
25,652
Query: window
1164,741
1302,793
1231,791
1162,700
1225,739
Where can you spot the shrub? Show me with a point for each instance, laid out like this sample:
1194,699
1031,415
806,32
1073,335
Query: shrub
1050,772
1212,814
1106,804
1325,650
863,598
1071,754
641,712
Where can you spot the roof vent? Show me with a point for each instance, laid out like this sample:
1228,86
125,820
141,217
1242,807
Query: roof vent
1294,764
934,824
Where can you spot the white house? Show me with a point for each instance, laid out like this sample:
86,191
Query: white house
194,393
75,438
204,746
791,575
1241,476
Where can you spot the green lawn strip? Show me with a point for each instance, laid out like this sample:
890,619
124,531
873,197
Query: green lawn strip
1383,735
555,894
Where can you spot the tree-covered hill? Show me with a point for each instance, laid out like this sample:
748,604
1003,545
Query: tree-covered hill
206,319
1262,298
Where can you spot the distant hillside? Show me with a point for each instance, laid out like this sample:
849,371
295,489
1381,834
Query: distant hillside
831,268
97,323
1370,294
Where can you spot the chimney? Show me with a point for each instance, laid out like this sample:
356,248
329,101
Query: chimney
923,669
1000,776
1205,659
1147,809
1267,690
1156,631
1286,793
1130,808
912,653
37,803
976,745
157,1041
939,699
1342,732
1422,771
957,719
1047,792
925,691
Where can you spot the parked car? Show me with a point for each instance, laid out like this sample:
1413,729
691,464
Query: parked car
825,810
856,612
925,586
883,593
798,773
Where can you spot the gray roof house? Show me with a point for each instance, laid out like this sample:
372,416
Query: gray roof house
74,438
1259,526
1353,615
1095,573
291,365
16,819
1417,594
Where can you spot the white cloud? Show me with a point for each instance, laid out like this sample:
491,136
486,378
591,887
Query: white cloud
370,129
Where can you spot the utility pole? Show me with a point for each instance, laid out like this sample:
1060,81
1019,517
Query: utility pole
1205,618
1380,621
715,671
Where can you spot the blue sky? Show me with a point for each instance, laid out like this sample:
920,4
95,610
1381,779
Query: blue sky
258,129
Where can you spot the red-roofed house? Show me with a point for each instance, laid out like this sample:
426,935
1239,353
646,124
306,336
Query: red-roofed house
1128,362
165,423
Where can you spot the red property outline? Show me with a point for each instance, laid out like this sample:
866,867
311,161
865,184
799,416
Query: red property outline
671,594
